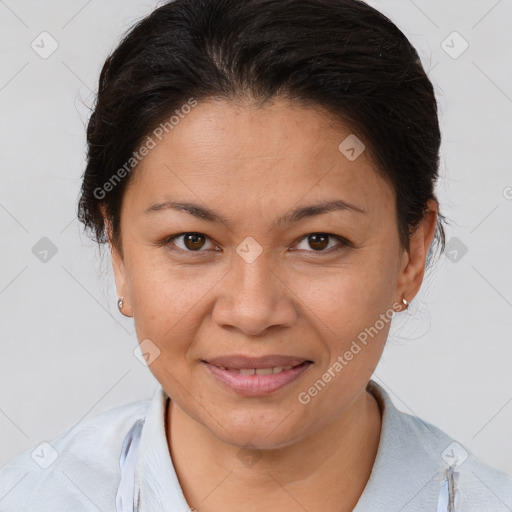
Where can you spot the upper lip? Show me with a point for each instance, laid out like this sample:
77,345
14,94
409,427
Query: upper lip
240,361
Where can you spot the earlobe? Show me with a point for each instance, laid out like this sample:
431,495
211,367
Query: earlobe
120,306
411,276
120,278
123,302
119,270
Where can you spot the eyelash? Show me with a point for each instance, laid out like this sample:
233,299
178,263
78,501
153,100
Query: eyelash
168,242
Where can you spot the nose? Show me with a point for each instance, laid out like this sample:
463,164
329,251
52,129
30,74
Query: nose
254,298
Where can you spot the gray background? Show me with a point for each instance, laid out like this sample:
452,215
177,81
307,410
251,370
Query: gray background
66,352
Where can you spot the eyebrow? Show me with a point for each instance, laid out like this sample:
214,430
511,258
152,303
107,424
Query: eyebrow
296,215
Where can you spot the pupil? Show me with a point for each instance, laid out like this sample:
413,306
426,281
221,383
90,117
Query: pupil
192,241
320,239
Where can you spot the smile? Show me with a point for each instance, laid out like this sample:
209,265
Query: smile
256,377
258,371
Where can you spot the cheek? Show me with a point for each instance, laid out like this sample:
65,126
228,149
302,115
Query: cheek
170,303
354,314
355,318
351,297
157,281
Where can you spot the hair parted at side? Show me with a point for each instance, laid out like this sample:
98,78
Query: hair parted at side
342,56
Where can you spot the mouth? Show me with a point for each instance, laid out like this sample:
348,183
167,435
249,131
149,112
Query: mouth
256,376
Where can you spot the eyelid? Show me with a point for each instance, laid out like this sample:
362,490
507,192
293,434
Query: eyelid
169,241
342,242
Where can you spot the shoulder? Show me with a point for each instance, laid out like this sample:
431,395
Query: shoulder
420,461
77,471
480,486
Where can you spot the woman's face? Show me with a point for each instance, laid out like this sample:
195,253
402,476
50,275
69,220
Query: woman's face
261,286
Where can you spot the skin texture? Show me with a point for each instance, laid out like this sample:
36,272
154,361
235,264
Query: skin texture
252,166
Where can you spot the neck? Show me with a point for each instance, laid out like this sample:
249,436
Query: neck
326,471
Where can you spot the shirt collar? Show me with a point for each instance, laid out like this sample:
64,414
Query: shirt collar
406,471
156,476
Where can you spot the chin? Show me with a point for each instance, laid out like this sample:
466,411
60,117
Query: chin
270,431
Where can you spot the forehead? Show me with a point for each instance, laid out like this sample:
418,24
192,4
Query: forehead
233,153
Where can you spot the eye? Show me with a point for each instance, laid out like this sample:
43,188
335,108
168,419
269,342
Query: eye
320,241
192,242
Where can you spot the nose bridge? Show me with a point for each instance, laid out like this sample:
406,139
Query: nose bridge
253,278
253,297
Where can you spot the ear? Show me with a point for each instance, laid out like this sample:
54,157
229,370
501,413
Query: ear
413,264
119,268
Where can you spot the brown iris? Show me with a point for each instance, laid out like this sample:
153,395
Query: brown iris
318,241
193,241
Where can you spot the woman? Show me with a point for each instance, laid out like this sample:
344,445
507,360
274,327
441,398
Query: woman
263,172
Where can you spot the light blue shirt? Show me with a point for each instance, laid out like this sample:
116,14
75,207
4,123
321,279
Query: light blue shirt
418,468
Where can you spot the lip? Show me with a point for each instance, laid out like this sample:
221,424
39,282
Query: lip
225,369
238,361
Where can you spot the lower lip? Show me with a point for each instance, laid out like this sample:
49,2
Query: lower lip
256,385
